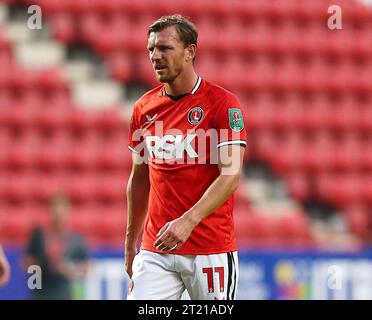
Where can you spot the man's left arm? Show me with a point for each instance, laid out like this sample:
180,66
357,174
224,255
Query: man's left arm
175,233
4,268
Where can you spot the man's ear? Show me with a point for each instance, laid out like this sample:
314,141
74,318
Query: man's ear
190,52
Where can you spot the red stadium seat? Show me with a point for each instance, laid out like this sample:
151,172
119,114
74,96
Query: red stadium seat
339,190
365,119
358,219
50,6
293,229
254,229
79,119
365,160
16,226
64,27
83,219
48,185
292,155
120,66
90,25
298,185
109,6
285,117
81,156
17,116
110,188
347,155
114,157
319,153
110,225
366,192
208,66
267,146
79,187
145,70
20,156
109,119
52,118
220,8
313,117
249,9
80,7
207,34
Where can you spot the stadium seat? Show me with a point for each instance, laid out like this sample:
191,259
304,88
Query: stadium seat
319,153
365,119
20,156
347,155
339,190
79,187
109,119
249,9
365,160
358,219
82,219
292,156
145,71
313,118
52,118
63,27
114,157
298,185
81,7
293,229
120,66
48,184
110,225
16,226
254,229
110,188
267,145
90,25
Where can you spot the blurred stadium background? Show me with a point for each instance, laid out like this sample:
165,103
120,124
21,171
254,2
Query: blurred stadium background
305,203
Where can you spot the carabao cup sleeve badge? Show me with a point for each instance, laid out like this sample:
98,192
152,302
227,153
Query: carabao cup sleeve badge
236,119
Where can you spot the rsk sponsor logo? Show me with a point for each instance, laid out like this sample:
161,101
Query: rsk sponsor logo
170,146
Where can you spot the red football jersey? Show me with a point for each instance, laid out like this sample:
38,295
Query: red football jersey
180,139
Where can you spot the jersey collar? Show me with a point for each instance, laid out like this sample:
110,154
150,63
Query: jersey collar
193,91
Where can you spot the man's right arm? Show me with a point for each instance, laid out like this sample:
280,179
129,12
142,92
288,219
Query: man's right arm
4,268
137,203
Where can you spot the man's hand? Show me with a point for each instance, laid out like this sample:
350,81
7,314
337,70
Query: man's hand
129,253
4,269
174,234
72,270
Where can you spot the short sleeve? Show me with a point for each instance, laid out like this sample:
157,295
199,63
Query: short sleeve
230,122
135,133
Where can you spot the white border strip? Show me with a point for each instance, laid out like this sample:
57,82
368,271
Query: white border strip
196,86
133,150
232,142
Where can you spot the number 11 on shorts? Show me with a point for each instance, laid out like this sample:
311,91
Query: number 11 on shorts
209,273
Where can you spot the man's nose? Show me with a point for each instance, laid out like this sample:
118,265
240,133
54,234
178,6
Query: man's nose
155,55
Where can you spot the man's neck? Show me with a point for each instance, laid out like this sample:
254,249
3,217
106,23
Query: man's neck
183,84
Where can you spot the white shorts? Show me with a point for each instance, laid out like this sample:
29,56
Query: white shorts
166,276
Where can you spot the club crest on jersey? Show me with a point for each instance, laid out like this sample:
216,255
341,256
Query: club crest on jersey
195,115
236,120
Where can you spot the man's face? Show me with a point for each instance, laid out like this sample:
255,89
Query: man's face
59,212
167,54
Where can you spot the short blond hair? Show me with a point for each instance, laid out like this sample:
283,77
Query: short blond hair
186,30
